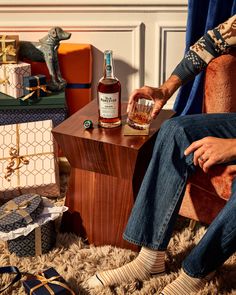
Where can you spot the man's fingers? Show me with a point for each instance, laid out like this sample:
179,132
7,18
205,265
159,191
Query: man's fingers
193,147
130,106
132,99
197,156
156,109
155,112
135,95
207,165
196,144
201,154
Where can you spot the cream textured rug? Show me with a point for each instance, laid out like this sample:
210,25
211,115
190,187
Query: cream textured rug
76,262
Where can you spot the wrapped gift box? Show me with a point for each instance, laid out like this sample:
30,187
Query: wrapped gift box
52,107
31,238
48,280
35,86
20,211
76,67
9,48
27,160
11,78
40,241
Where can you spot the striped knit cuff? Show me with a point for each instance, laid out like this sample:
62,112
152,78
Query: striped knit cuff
189,67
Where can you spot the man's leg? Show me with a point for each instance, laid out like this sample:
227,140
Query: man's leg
160,196
218,243
216,246
154,213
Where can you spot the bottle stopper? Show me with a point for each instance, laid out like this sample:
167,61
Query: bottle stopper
88,124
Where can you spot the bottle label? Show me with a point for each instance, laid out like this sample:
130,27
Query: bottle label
108,64
108,104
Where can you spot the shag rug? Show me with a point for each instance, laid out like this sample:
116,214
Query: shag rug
76,261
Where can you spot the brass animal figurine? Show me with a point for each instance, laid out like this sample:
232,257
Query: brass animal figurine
46,51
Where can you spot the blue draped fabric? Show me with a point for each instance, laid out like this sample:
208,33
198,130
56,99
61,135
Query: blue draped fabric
202,16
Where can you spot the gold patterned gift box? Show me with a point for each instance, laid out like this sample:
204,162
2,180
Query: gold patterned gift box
11,78
9,48
27,160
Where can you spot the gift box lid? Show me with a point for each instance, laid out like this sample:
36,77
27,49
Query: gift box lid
9,47
53,100
58,285
20,211
33,80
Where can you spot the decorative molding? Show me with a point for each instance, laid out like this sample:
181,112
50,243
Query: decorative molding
92,2
88,26
162,30
163,45
92,6
5,9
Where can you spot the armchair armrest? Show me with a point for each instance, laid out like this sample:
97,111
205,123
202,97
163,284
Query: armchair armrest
220,84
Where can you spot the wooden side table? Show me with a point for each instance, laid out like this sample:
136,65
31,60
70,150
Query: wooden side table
106,172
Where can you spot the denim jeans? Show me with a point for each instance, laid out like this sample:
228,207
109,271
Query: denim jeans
157,205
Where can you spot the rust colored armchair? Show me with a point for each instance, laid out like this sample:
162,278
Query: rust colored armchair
206,194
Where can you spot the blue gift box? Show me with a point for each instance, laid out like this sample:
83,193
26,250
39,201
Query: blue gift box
48,279
23,116
35,86
28,245
11,216
14,111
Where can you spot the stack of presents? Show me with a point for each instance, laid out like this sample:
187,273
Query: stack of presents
28,153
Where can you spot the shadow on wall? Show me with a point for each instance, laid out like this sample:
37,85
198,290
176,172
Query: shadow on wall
123,71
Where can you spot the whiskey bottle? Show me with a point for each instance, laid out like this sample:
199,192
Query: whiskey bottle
109,95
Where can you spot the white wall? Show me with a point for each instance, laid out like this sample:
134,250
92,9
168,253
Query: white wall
146,36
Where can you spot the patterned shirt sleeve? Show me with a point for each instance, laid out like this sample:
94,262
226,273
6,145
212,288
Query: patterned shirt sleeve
214,43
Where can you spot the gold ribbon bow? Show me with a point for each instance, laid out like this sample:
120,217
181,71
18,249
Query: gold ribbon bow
9,50
53,280
15,163
5,81
35,88
6,50
11,206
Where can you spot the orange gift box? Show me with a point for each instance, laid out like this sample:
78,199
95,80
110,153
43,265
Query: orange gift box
76,68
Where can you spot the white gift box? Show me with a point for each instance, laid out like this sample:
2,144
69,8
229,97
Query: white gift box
27,160
11,78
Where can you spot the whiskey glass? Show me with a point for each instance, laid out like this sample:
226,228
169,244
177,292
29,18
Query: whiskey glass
139,117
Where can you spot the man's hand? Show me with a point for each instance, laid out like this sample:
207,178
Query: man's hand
148,92
160,95
209,151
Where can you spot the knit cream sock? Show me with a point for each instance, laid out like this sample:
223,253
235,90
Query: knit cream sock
147,263
186,285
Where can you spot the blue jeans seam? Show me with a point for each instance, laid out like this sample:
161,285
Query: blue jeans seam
171,210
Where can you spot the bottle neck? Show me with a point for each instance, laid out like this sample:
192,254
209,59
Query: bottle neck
108,68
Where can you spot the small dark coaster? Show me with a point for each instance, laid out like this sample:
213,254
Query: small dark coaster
131,131
11,219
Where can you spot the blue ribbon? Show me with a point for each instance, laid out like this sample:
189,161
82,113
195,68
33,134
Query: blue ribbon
78,85
10,270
